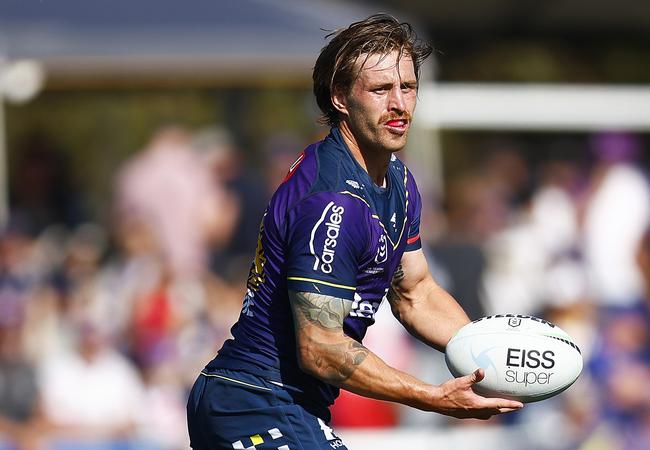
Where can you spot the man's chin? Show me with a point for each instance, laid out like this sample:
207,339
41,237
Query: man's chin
395,143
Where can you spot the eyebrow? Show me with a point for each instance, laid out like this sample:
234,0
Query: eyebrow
391,82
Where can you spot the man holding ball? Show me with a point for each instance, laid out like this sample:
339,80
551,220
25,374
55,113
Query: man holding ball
340,235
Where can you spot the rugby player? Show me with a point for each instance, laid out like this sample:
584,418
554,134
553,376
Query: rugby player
340,235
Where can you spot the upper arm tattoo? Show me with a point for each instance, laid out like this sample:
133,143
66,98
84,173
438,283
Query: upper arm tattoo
321,310
335,362
398,275
393,297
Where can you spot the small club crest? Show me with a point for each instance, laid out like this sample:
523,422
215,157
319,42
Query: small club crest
514,322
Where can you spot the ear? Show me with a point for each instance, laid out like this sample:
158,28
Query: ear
340,101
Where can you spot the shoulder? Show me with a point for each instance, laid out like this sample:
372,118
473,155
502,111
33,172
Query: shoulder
297,183
316,169
303,171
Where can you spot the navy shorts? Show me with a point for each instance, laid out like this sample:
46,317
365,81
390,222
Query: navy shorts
236,410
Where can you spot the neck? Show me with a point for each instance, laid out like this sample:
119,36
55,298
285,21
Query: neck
374,162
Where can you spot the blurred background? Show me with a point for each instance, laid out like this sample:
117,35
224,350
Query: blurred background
139,145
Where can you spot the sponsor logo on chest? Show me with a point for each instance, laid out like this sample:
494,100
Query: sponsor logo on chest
330,220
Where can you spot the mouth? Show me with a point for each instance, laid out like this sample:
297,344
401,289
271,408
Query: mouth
397,126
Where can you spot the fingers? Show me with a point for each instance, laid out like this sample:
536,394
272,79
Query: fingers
504,405
501,404
465,403
477,376
509,404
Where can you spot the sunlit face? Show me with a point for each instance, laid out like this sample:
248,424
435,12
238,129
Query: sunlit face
379,107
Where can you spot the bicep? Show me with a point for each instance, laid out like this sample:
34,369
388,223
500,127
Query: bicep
411,273
411,283
421,305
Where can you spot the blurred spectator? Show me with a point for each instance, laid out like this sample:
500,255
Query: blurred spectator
618,212
44,193
154,320
170,195
553,206
18,275
479,205
19,393
621,370
90,391
201,337
162,412
475,210
506,169
458,266
541,239
218,151
23,302
620,367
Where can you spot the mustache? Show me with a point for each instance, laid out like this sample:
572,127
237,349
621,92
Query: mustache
395,116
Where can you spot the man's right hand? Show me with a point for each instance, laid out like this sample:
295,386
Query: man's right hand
456,398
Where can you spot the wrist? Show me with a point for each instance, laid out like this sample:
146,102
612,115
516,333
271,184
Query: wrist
427,397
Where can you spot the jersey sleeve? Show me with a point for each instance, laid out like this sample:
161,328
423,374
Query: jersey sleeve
326,239
413,241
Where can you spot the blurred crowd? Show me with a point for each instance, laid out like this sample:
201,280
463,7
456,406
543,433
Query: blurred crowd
104,325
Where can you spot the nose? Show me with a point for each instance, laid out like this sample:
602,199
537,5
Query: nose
396,100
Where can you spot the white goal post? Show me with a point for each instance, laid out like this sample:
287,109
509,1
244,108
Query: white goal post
551,107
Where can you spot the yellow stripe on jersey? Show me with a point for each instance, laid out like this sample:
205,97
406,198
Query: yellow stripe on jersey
311,280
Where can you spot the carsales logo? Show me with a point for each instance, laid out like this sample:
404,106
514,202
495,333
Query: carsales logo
331,219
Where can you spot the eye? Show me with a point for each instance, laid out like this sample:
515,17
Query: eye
380,90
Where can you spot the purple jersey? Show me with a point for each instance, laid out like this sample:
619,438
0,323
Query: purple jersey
330,230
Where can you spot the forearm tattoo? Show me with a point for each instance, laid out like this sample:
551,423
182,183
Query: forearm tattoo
340,361
335,363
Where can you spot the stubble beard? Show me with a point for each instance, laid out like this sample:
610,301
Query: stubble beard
389,142
394,142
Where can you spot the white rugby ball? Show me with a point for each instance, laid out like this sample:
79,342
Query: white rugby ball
525,358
